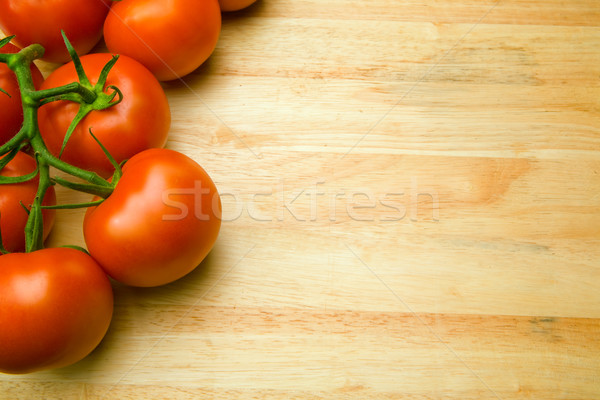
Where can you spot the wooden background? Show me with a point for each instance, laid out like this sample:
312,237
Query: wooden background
412,211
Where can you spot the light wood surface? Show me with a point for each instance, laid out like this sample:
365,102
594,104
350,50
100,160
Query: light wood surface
411,197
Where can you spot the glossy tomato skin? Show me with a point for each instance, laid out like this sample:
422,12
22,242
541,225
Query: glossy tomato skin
234,5
141,121
56,305
35,21
171,38
11,110
160,222
13,216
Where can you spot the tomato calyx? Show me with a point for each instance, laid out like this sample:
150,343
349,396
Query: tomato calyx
75,247
90,97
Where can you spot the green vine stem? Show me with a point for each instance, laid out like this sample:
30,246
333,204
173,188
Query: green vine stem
29,138
34,237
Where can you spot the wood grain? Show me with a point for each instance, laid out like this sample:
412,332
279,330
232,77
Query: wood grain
411,197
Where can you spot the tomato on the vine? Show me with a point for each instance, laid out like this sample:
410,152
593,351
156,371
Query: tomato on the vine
13,217
139,122
171,38
11,110
35,21
56,306
160,222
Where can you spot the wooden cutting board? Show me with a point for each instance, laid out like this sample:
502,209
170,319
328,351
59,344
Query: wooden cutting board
412,211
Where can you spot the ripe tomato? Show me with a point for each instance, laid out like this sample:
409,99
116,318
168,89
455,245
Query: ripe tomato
234,5
11,110
160,222
141,121
171,38
55,307
13,216
35,21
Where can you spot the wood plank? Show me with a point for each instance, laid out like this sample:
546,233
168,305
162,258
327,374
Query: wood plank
296,353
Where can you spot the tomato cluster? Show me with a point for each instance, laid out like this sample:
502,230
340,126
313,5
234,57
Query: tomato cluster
154,214
171,38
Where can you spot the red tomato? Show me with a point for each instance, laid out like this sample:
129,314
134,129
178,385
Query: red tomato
171,38
234,5
55,307
11,110
35,21
141,121
160,222
13,216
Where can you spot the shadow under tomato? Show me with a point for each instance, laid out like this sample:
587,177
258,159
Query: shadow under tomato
205,72
182,291
253,10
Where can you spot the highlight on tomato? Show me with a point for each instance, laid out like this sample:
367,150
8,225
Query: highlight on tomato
55,307
171,38
11,110
140,121
15,196
160,222
35,21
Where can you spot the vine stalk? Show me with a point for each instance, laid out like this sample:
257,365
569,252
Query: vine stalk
29,137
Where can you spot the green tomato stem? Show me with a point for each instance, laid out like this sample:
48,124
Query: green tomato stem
34,229
89,97
65,92
96,190
40,148
14,142
74,206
